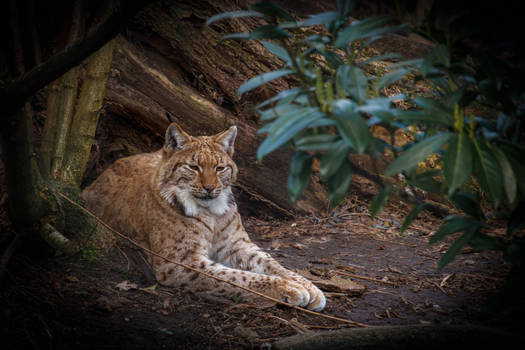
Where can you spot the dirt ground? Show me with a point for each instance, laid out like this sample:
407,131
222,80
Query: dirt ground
82,302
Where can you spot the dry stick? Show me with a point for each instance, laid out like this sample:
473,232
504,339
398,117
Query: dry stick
205,273
362,277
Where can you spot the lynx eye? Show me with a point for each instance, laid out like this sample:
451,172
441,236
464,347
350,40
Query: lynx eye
194,167
219,168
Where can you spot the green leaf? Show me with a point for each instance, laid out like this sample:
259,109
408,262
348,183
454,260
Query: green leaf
487,171
321,18
290,95
454,224
339,183
515,157
390,78
412,216
317,142
299,177
290,119
332,58
379,201
423,117
469,203
270,9
378,107
269,32
332,159
360,29
236,36
509,178
457,162
285,128
383,57
277,50
277,111
456,247
485,242
438,57
426,182
321,123
345,7
517,220
436,110
417,153
232,14
377,33
354,130
262,79
353,81
455,97
150,288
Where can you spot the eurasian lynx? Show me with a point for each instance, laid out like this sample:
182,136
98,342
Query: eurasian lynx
178,202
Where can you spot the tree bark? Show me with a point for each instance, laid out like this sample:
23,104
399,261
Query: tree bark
57,126
86,115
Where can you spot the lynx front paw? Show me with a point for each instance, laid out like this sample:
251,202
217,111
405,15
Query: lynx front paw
317,298
293,293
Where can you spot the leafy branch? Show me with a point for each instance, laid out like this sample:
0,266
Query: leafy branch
337,105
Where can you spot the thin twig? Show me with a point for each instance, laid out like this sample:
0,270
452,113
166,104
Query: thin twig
87,211
362,277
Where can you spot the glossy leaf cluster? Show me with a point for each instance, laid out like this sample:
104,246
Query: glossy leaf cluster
329,115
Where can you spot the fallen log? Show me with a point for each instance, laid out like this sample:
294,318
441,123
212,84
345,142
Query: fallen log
429,336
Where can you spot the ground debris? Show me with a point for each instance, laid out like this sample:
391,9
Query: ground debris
126,285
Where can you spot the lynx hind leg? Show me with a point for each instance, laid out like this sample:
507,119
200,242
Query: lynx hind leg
279,288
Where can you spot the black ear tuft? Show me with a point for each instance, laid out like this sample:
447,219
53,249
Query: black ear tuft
226,139
175,137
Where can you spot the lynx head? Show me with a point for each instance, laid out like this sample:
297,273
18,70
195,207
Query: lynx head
196,172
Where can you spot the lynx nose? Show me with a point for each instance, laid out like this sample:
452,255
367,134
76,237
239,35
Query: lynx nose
208,188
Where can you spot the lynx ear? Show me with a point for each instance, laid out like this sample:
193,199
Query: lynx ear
175,138
226,139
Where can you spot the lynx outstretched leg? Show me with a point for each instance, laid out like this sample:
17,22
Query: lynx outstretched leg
274,286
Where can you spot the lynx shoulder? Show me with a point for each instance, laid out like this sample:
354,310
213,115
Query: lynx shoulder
178,202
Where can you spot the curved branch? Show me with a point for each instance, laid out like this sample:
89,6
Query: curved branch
57,240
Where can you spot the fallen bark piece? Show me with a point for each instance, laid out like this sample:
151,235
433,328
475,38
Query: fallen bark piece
335,284
126,285
340,285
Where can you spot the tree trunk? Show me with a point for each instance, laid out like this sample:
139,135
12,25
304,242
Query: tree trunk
86,115
170,62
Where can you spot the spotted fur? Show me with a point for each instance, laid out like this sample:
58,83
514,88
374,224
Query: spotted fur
178,202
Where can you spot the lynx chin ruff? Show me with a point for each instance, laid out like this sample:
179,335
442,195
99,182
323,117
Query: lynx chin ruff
178,202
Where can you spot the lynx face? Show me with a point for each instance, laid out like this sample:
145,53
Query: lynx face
196,172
